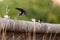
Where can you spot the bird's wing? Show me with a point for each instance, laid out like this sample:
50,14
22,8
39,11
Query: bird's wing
20,9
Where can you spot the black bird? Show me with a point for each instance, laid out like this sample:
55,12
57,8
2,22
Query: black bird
40,20
21,11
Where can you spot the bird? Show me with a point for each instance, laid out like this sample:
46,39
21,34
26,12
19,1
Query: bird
40,20
33,20
22,11
6,16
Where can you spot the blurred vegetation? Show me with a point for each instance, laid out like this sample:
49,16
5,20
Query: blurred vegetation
35,8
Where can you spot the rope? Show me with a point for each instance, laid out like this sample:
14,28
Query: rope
55,35
4,27
50,36
13,29
34,31
45,35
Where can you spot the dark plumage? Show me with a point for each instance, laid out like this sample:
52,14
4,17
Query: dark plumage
22,11
40,20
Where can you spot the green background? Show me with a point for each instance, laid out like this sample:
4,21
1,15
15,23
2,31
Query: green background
35,8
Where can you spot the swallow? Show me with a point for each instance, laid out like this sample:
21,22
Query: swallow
22,11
